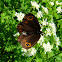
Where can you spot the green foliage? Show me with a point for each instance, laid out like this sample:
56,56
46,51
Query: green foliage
10,49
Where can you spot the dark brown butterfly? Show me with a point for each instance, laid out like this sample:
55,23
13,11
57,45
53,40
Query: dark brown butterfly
31,27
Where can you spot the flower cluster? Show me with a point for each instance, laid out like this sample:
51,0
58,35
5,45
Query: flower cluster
45,9
39,14
48,31
51,3
35,5
57,41
29,52
58,3
41,40
47,47
59,10
53,27
44,23
19,16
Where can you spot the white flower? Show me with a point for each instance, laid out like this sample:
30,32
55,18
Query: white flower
35,5
53,28
23,54
19,16
47,47
24,50
33,51
17,34
29,52
57,38
41,40
16,14
59,10
45,9
57,41
41,29
48,32
58,3
51,3
45,22
39,14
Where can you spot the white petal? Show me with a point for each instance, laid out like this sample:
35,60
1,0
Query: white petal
17,34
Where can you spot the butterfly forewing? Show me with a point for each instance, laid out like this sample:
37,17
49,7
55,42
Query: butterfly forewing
28,25
22,27
33,23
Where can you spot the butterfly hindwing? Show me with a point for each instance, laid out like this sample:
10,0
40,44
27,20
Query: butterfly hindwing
28,41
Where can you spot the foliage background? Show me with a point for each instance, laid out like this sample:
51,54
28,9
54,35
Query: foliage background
9,47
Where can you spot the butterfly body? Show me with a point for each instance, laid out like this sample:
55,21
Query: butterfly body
31,27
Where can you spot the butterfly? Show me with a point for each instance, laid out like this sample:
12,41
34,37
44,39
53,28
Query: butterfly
31,27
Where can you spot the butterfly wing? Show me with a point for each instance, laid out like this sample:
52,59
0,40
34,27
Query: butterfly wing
28,41
29,24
